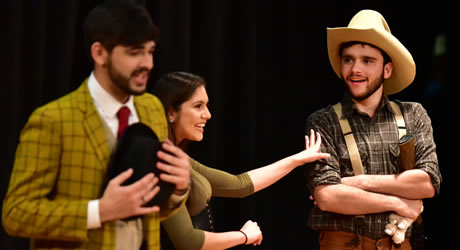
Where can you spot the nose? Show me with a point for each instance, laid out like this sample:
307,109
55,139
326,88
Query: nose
206,115
147,61
356,67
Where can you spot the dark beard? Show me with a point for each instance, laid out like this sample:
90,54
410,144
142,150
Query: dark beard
121,81
378,83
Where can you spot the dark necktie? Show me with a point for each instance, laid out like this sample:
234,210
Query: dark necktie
123,115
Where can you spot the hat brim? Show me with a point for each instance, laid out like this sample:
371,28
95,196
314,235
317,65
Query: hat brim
403,64
137,149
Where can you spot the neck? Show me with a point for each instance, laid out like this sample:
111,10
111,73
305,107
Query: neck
107,84
371,103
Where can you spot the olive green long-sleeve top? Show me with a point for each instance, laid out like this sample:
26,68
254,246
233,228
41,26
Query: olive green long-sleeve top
206,182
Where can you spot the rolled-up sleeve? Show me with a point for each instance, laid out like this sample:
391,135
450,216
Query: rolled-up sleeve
323,171
426,157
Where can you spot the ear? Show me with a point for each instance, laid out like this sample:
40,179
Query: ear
172,115
387,70
99,54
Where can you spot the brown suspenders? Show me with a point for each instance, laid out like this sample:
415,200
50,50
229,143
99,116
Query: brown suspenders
350,139
353,151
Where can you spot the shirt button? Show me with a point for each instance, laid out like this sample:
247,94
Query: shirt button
379,221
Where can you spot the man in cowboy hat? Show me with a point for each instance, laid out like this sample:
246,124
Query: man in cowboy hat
351,206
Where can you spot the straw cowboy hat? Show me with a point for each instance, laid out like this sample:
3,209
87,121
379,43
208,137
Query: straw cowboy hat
369,26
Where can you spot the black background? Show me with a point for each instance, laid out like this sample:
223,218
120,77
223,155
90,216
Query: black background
267,69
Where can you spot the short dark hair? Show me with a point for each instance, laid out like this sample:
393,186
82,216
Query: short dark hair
119,22
344,45
175,88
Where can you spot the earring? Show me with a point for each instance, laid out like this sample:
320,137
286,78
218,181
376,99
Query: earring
171,120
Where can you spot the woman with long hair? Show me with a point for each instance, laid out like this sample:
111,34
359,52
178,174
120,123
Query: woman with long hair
185,102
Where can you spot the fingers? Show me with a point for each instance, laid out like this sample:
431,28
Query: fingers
168,167
174,179
318,140
313,199
312,138
175,165
173,155
150,190
307,142
145,189
313,141
119,179
146,183
148,210
175,175
259,241
150,194
323,155
120,202
246,224
168,146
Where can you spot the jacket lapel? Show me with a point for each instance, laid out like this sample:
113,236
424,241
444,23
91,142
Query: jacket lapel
142,112
150,112
92,123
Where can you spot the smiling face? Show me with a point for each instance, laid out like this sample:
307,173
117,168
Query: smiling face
363,71
189,120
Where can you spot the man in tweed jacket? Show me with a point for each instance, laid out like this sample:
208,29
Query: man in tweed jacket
58,195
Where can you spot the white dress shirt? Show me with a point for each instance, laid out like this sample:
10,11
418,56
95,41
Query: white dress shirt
107,106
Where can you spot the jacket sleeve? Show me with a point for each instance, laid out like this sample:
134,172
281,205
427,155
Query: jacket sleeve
30,208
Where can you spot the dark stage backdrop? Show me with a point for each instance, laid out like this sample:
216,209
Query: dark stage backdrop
267,69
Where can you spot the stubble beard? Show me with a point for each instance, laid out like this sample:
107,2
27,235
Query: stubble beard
374,86
121,81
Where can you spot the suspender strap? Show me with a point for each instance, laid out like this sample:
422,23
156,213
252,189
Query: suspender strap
399,119
352,147
355,158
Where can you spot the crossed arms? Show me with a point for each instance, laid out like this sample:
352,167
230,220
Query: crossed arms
364,194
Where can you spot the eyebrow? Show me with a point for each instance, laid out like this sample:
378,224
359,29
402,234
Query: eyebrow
370,58
141,46
199,102
364,57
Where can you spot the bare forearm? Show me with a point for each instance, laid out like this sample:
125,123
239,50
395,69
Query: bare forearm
265,176
344,199
410,184
223,240
349,200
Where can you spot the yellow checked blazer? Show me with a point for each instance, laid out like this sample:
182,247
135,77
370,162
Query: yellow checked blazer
60,165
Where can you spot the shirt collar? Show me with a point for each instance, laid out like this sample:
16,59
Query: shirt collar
349,107
105,102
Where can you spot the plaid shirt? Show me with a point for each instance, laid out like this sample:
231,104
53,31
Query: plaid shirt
378,143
